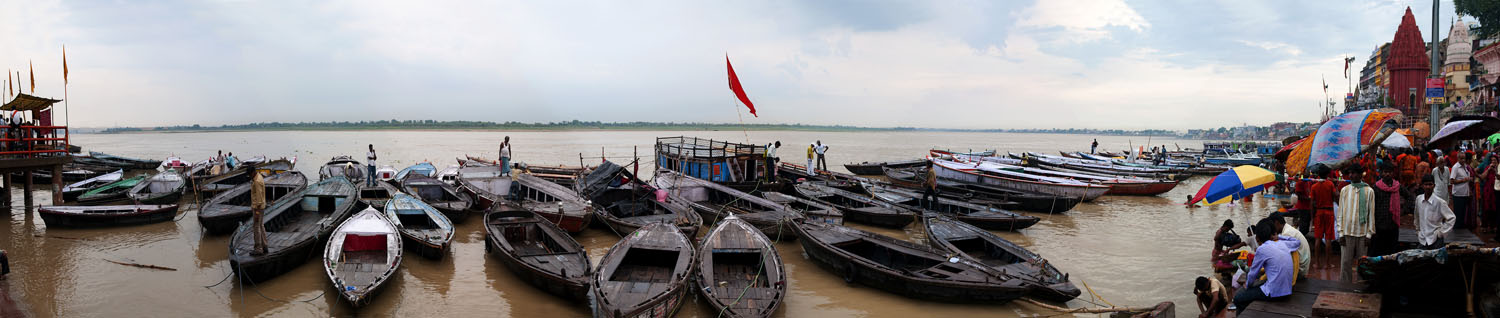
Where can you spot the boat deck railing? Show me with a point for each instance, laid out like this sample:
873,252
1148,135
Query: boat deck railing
34,141
694,147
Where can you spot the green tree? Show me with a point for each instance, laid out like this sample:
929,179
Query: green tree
1487,11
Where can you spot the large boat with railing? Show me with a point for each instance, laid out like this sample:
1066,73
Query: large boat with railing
740,166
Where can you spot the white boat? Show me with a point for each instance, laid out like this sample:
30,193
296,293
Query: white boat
362,255
1011,180
385,173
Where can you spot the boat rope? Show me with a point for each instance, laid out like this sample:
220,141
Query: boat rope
221,281
1095,294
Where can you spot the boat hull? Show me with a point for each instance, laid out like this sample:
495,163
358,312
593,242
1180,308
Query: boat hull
853,270
1140,188
61,219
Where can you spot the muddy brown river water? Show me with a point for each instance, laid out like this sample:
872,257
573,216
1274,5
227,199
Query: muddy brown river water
1131,251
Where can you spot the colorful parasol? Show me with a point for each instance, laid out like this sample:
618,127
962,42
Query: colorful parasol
1342,138
1234,184
1396,141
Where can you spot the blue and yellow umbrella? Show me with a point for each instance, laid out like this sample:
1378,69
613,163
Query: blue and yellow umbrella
1234,184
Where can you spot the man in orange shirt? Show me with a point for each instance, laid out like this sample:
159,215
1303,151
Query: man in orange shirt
1407,162
1324,193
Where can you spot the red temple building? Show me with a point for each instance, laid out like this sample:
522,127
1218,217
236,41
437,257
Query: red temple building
1409,66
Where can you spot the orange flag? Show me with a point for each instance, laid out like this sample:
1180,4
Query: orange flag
32,68
65,65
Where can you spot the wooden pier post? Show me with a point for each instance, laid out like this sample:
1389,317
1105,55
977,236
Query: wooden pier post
57,184
6,176
26,187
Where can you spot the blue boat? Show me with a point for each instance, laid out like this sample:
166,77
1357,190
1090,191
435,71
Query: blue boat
425,168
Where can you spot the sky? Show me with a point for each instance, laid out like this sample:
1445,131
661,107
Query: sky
1111,64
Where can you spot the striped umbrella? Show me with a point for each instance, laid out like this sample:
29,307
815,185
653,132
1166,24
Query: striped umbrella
1342,138
1234,184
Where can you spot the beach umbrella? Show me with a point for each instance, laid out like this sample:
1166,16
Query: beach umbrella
1342,138
1287,150
1463,128
1234,184
1396,141
1494,139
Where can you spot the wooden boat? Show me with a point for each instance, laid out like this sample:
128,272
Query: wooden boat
485,184
377,195
739,166
625,203
562,175
385,173
551,201
873,168
539,252
986,248
981,216
811,210
716,201
1097,167
295,226
224,212
983,194
858,208
904,268
362,255
162,188
174,163
439,195
73,190
238,176
1118,185
61,216
973,173
422,227
125,162
739,272
472,161
422,168
645,274
343,166
113,191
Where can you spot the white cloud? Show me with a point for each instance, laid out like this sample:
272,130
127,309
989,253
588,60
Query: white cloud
1273,46
1084,20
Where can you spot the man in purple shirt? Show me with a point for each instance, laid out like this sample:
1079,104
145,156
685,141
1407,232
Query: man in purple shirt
1274,256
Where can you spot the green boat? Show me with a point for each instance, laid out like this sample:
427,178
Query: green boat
110,192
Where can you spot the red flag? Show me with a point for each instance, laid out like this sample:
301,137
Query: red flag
65,65
739,91
33,76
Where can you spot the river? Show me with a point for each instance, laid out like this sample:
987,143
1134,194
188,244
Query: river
1131,251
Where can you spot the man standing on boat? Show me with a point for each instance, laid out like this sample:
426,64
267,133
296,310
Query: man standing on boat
1094,146
771,160
505,156
929,188
370,167
810,157
257,208
821,149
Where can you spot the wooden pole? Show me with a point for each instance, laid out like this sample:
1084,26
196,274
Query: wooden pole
6,176
57,184
26,188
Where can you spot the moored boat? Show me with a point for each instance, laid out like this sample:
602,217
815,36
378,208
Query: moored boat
981,216
874,168
539,252
551,201
362,255
739,166
739,272
421,168
625,203
237,176
971,173
61,216
858,208
811,210
715,201
910,178
439,195
645,274
448,175
224,212
73,190
295,227
989,249
110,192
163,188
904,268
485,184
422,227
377,194
343,166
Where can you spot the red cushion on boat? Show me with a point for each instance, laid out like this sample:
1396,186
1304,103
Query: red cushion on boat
356,242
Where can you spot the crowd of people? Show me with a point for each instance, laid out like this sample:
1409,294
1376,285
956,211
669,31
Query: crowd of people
1341,217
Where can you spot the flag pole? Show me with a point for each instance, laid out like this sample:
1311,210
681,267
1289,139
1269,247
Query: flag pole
736,104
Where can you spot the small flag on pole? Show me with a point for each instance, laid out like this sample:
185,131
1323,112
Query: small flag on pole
65,65
32,68
739,91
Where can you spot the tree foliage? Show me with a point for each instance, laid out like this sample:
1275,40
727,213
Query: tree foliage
1487,11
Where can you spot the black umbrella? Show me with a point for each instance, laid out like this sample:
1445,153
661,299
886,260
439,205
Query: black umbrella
1464,128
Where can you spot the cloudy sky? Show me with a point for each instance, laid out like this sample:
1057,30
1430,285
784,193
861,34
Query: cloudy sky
1169,64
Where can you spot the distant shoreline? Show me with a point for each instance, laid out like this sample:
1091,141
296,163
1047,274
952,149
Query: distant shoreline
431,125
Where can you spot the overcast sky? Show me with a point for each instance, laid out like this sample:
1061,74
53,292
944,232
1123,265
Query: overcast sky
966,64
